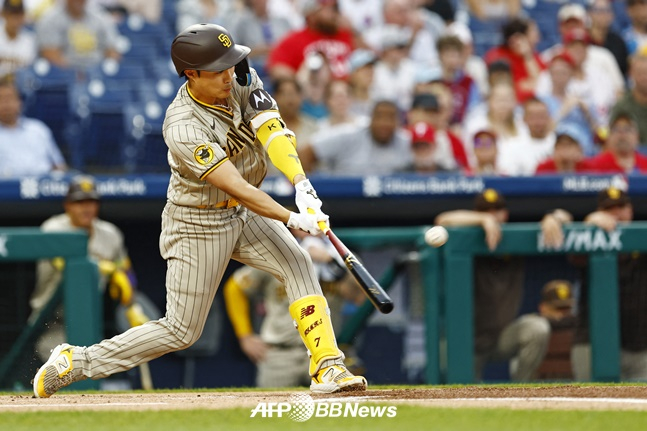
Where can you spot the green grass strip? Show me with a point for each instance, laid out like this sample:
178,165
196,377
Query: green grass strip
409,418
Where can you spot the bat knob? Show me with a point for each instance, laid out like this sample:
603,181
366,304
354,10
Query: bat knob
386,308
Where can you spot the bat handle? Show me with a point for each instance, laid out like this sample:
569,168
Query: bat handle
322,224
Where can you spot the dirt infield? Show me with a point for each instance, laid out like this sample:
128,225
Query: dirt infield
571,397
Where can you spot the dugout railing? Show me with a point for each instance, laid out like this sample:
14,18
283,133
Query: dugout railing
602,249
448,286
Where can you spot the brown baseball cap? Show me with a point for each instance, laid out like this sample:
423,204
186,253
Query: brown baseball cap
612,197
82,188
489,199
558,293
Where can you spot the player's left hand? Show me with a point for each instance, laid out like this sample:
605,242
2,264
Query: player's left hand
307,222
306,197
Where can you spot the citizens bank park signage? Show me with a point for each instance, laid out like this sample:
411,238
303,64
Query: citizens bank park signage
154,186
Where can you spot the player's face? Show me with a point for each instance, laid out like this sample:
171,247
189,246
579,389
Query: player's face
211,87
82,213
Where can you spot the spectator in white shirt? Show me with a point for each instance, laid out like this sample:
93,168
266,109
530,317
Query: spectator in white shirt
598,60
522,158
500,117
394,76
27,146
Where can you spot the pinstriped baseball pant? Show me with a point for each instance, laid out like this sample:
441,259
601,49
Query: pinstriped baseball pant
198,245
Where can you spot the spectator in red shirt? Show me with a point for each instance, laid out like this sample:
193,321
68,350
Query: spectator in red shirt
323,34
620,155
518,50
567,153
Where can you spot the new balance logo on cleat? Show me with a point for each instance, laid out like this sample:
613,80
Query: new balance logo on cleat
63,365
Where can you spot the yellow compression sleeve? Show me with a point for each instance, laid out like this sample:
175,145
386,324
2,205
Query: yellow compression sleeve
237,304
281,148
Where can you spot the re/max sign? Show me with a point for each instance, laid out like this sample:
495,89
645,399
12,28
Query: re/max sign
586,241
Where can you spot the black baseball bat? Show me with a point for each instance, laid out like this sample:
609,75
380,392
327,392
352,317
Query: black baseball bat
369,285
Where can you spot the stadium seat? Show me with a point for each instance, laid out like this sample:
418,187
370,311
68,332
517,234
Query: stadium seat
142,49
140,32
99,110
112,70
486,35
145,150
169,14
136,25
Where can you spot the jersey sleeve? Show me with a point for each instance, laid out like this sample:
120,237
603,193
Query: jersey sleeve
193,147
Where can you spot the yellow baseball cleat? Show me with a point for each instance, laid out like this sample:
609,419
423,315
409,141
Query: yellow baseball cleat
56,373
336,378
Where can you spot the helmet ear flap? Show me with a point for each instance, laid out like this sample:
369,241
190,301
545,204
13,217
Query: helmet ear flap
243,75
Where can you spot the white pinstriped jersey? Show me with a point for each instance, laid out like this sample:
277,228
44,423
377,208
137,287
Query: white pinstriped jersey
200,137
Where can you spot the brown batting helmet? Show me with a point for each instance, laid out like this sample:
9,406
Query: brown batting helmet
208,47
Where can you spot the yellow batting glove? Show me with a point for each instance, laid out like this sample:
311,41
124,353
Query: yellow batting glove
136,316
120,288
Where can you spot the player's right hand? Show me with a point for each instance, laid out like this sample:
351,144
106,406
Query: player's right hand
307,222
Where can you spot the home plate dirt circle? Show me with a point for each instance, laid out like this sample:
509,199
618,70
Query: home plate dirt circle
566,397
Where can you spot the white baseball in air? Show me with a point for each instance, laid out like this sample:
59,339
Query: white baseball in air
436,236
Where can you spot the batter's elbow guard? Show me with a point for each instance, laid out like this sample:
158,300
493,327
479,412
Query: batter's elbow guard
243,74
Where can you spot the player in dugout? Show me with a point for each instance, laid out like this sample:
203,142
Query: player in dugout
221,129
500,333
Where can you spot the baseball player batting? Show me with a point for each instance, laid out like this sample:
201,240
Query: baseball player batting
220,130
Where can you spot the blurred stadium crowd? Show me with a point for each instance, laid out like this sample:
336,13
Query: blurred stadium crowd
494,87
